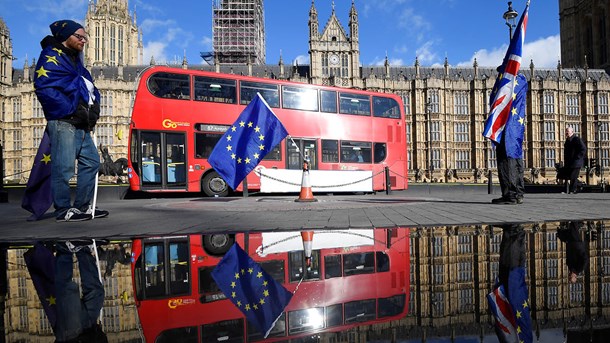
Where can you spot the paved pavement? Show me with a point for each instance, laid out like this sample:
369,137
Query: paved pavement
419,206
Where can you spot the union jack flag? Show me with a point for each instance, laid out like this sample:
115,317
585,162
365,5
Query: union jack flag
503,94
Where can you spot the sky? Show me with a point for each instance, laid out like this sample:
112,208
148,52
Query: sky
399,29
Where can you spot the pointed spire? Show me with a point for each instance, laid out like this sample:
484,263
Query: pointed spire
475,66
184,62
446,65
152,60
531,69
416,67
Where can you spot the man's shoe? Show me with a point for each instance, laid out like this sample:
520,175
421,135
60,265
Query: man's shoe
498,200
74,215
506,201
519,200
98,213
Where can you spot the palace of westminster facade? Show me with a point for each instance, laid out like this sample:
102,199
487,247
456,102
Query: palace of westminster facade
445,106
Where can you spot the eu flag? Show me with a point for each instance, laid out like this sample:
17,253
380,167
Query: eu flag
41,265
38,197
512,311
257,295
255,132
504,87
515,124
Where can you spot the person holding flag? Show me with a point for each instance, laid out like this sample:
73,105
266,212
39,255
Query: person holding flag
71,104
505,125
255,132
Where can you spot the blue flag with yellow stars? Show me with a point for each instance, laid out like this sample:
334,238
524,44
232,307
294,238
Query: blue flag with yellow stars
518,296
55,71
257,295
256,132
515,124
38,197
41,265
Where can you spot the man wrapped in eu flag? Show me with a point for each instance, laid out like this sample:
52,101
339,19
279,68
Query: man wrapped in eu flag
71,105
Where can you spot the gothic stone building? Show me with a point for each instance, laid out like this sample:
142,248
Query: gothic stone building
445,106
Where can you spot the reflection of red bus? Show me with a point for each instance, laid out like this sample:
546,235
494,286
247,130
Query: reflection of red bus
349,135
356,277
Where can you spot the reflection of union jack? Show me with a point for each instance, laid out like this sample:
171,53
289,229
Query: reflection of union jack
506,327
503,94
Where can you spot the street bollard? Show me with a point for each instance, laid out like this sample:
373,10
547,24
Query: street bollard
489,183
388,183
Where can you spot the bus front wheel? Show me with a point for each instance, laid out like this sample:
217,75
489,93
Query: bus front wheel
213,185
218,244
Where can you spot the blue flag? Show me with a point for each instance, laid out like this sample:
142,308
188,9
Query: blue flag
41,265
504,87
513,322
255,132
515,124
257,295
38,197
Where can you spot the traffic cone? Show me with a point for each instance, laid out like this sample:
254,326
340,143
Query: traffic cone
306,194
307,237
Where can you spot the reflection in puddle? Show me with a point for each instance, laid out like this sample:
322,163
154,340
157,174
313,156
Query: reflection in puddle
408,285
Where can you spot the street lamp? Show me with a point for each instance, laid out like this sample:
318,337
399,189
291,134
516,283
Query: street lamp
510,16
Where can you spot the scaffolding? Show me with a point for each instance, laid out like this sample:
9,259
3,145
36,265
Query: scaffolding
238,29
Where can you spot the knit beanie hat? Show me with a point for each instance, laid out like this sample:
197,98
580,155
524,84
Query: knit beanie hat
63,29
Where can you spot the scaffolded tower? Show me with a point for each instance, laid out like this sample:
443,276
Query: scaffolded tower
238,29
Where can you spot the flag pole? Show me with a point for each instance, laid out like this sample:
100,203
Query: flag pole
97,176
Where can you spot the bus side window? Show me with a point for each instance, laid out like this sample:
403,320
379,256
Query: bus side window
330,151
269,92
212,89
170,85
385,107
300,98
354,104
204,144
380,152
329,101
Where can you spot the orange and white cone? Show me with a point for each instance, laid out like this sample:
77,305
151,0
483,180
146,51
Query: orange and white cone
306,194
307,237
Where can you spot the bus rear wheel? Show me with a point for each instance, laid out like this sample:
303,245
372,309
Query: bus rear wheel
213,185
218,244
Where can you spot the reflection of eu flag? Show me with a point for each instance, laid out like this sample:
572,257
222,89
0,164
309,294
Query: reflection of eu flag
246,142
261,299
38,198
41,265
515,124
512,312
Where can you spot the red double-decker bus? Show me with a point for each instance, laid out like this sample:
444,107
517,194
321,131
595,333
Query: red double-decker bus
350,136
355,277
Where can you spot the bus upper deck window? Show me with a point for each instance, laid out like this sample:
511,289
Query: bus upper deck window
300,98
354,104
385,107
329,101
213,89
170,85
268,91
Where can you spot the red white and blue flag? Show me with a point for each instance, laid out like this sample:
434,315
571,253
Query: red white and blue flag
510,307
503,94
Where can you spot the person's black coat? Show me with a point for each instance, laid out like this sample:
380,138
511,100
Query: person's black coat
574,152
576,249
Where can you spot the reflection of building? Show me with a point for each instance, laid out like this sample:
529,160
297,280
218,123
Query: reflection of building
453,269
455,97
25,320
585,33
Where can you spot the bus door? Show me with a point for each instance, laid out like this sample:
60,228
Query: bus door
163,160
299,149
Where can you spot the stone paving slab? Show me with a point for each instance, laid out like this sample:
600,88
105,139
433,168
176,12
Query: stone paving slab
411,208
